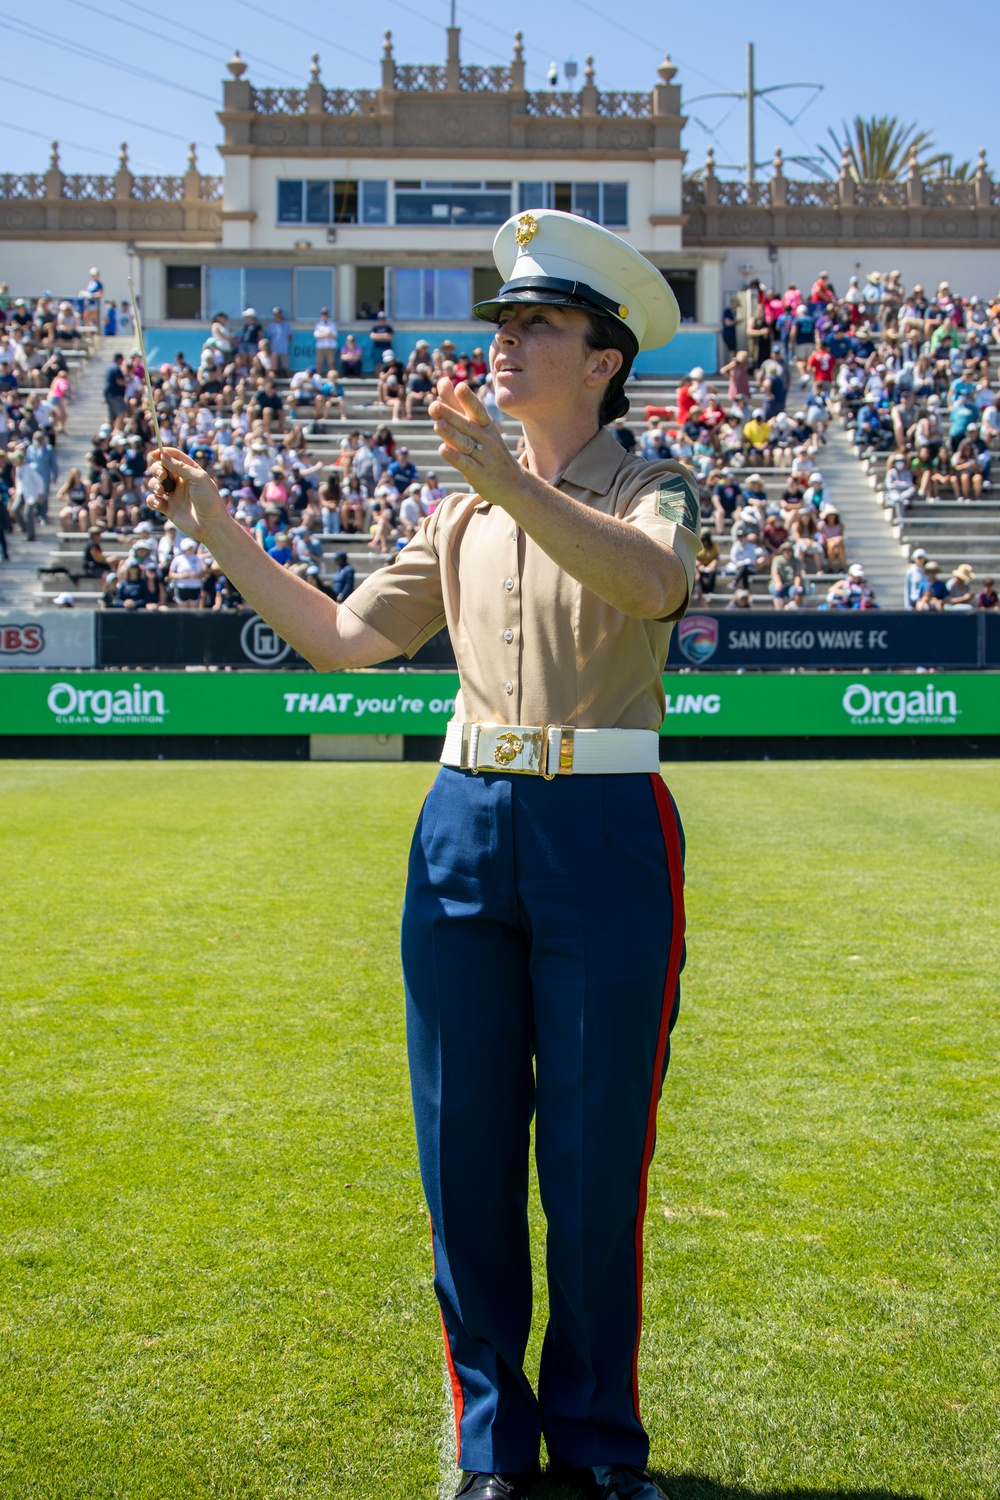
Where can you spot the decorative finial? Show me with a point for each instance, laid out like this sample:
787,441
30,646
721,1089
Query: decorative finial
54,158
314,70
779,161
981,162
588,71
518,46
387,44
192,157
666,70
123,158
845,162
710,162
236,65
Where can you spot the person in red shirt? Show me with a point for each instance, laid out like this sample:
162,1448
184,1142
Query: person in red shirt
685,400
822,292
821,365
478,367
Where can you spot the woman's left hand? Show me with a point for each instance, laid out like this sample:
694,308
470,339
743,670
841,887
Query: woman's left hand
470,440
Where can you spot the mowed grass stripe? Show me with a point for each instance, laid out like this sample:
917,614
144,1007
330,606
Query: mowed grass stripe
215,1272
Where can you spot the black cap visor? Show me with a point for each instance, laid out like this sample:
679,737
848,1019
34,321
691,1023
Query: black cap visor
550,291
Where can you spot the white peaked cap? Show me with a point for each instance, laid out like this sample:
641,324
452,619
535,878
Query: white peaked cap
562,260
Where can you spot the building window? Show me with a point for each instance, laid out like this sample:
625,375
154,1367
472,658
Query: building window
323,200
184,291
425,293
684,285
604,202
300,292
436,203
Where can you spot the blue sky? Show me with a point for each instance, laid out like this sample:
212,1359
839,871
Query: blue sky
160,69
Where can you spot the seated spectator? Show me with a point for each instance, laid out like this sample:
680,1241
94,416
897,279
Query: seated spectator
830,531
959,586
933,591
134,591
784,576
351,357
411,511
186,573
745,557
757,439
402,471
808,548
742,599
966,472
727,498
988,598
420,391
852,591
899,489
706,566
281,551
431,493
74,515
342,582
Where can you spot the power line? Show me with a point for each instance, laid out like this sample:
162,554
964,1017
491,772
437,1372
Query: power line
636,36
91,55
185,46
44,135
249,57
305,30
96,110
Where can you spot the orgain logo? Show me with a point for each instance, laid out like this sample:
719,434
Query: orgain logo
928,705
697,637
134,705
261,644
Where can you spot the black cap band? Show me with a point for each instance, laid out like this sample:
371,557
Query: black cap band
552,289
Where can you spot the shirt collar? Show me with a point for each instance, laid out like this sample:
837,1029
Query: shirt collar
595,466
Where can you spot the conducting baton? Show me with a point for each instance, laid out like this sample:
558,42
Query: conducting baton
168,482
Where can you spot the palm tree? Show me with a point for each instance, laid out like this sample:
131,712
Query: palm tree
878,149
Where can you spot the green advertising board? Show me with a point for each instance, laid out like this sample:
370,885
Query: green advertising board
379,702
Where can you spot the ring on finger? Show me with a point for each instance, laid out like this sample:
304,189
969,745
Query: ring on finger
476,448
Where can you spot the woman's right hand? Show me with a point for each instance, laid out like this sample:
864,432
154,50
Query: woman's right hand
194,505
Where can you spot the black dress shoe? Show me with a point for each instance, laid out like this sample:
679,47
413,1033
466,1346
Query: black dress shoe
611,1482
497,1486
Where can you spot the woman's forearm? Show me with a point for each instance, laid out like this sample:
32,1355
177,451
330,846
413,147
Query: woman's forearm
302,616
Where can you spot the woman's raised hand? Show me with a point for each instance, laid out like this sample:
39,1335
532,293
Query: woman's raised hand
194,505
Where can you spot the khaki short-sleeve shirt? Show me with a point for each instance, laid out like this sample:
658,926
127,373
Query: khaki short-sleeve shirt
533,646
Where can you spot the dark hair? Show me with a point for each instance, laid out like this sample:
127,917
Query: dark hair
606,332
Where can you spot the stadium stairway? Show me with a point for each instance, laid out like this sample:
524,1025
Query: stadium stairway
869,540
19,586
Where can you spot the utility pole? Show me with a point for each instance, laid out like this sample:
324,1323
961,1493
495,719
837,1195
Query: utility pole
750,95
751,134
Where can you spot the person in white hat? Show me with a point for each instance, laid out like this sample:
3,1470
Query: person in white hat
543,928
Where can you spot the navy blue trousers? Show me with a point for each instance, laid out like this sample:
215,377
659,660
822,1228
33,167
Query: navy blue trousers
543,938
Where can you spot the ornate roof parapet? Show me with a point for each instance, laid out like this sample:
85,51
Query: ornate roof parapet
471,107
115,206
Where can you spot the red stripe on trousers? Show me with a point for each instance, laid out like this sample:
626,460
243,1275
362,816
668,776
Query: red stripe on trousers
457,1394
675,870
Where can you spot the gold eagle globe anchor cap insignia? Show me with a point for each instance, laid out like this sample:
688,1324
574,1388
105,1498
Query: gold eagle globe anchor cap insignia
552,258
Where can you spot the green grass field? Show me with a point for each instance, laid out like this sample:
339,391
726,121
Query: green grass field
215,1271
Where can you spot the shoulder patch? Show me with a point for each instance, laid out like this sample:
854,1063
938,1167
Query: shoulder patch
678,502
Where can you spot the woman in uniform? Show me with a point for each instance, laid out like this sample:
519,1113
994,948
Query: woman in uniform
543,926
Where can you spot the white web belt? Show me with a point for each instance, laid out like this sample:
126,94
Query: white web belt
550,750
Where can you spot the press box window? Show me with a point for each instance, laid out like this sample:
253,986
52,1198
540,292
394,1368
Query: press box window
604,202
472,203
321,200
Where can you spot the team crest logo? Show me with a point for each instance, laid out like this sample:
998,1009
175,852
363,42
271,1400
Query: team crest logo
698,637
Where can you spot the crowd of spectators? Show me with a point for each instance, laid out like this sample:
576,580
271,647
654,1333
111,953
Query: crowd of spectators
911,371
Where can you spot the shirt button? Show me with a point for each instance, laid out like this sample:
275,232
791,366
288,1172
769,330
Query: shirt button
508,584
508,687
508,635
